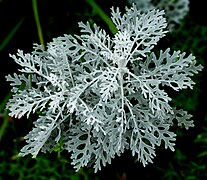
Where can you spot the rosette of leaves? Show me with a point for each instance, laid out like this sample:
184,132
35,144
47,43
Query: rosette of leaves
100,95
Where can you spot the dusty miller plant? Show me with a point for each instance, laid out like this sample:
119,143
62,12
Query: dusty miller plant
175,10
99,95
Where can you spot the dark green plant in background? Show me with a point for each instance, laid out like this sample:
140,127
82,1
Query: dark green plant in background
188,161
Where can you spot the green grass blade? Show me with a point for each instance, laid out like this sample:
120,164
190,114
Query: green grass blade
37,20
8,38
5,100
103,15
203,154
4,114
4,125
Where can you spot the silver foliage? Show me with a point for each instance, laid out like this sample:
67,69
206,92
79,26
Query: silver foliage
101,95
175,10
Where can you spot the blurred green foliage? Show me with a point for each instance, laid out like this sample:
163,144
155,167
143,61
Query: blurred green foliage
188,162
43,168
